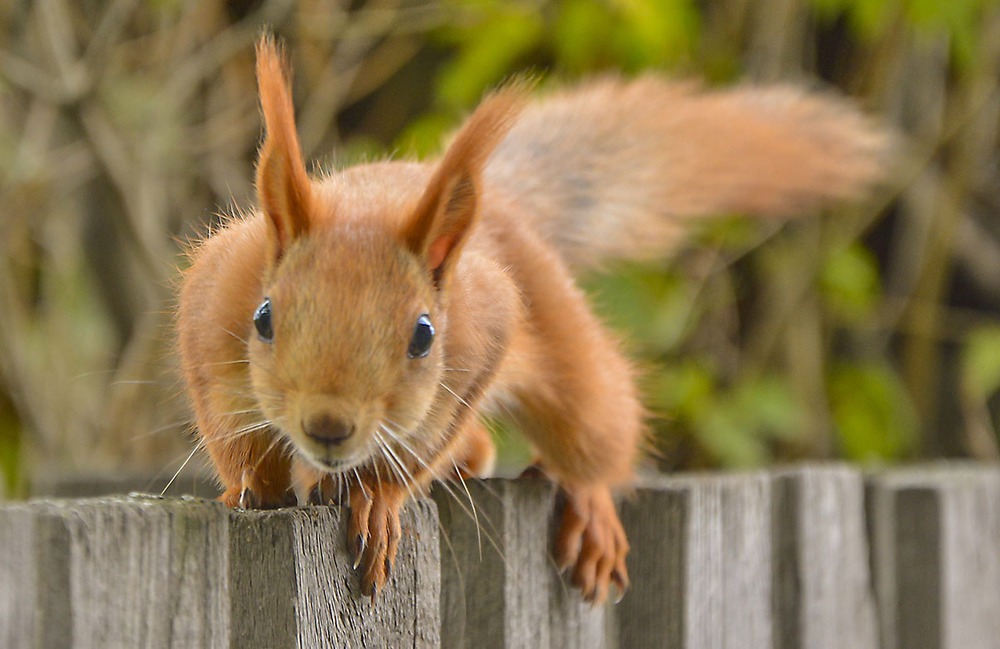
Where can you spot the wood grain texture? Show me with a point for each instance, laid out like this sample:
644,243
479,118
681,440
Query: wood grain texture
35,608
500,587
816,557
935,534
657,520
329,610
822,582
701,556
151,572
148,572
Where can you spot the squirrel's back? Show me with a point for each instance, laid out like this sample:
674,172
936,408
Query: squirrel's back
613,168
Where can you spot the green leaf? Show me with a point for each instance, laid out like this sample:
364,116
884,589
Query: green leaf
424,135
868,18
740,427
652,307
850,283
830,9
769,408
581,32
960,21
981,362
737,427
487,52
732,233
874,415
656,32
10,458
722,432
683,390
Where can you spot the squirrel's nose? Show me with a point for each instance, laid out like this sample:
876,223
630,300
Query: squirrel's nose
328,430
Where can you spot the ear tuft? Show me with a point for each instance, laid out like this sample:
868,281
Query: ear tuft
449,206
283,186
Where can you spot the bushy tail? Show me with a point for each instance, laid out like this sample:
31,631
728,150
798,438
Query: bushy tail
614,169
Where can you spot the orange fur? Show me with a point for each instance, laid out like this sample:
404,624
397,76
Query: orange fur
484,243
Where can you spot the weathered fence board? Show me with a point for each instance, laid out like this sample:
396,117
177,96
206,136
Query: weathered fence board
811,557
652,612
34,578
184,573
936,556
499,584
822,583
701,564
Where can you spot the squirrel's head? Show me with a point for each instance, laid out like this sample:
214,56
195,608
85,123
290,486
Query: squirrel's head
349,341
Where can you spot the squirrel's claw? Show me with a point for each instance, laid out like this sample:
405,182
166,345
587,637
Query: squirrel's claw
248,499
315,496
251,493
359,551
619,577
326,491
591,541
374,532
534,471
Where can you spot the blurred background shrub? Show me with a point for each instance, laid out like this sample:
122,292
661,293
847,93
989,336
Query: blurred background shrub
869,333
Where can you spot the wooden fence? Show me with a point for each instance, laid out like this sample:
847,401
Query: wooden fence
819,557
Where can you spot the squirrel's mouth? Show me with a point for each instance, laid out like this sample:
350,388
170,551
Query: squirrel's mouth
324,460
324,436
333,458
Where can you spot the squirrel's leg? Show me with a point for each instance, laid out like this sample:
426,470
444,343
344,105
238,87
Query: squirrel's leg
374,531
377,492
252,466
375,500
581,411
475,455
592,541
315,486
590,538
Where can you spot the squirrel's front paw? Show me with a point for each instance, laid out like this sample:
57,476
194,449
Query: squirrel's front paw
255,493
374,532
592,542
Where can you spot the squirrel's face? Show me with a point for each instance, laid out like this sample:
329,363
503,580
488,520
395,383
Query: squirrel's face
347,345
348,356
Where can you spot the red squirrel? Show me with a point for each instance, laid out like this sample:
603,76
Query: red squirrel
349,330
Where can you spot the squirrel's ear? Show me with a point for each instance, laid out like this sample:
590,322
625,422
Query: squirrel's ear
283,186
445,215
449,206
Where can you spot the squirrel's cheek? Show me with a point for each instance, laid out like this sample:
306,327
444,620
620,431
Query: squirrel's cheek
409,405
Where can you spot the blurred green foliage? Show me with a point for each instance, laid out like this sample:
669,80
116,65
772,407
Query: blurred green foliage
960,20
874,417
493,40
833,336
10,459
715,372
981,362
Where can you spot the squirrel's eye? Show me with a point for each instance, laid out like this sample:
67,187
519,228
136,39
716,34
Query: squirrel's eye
423,336
262,321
